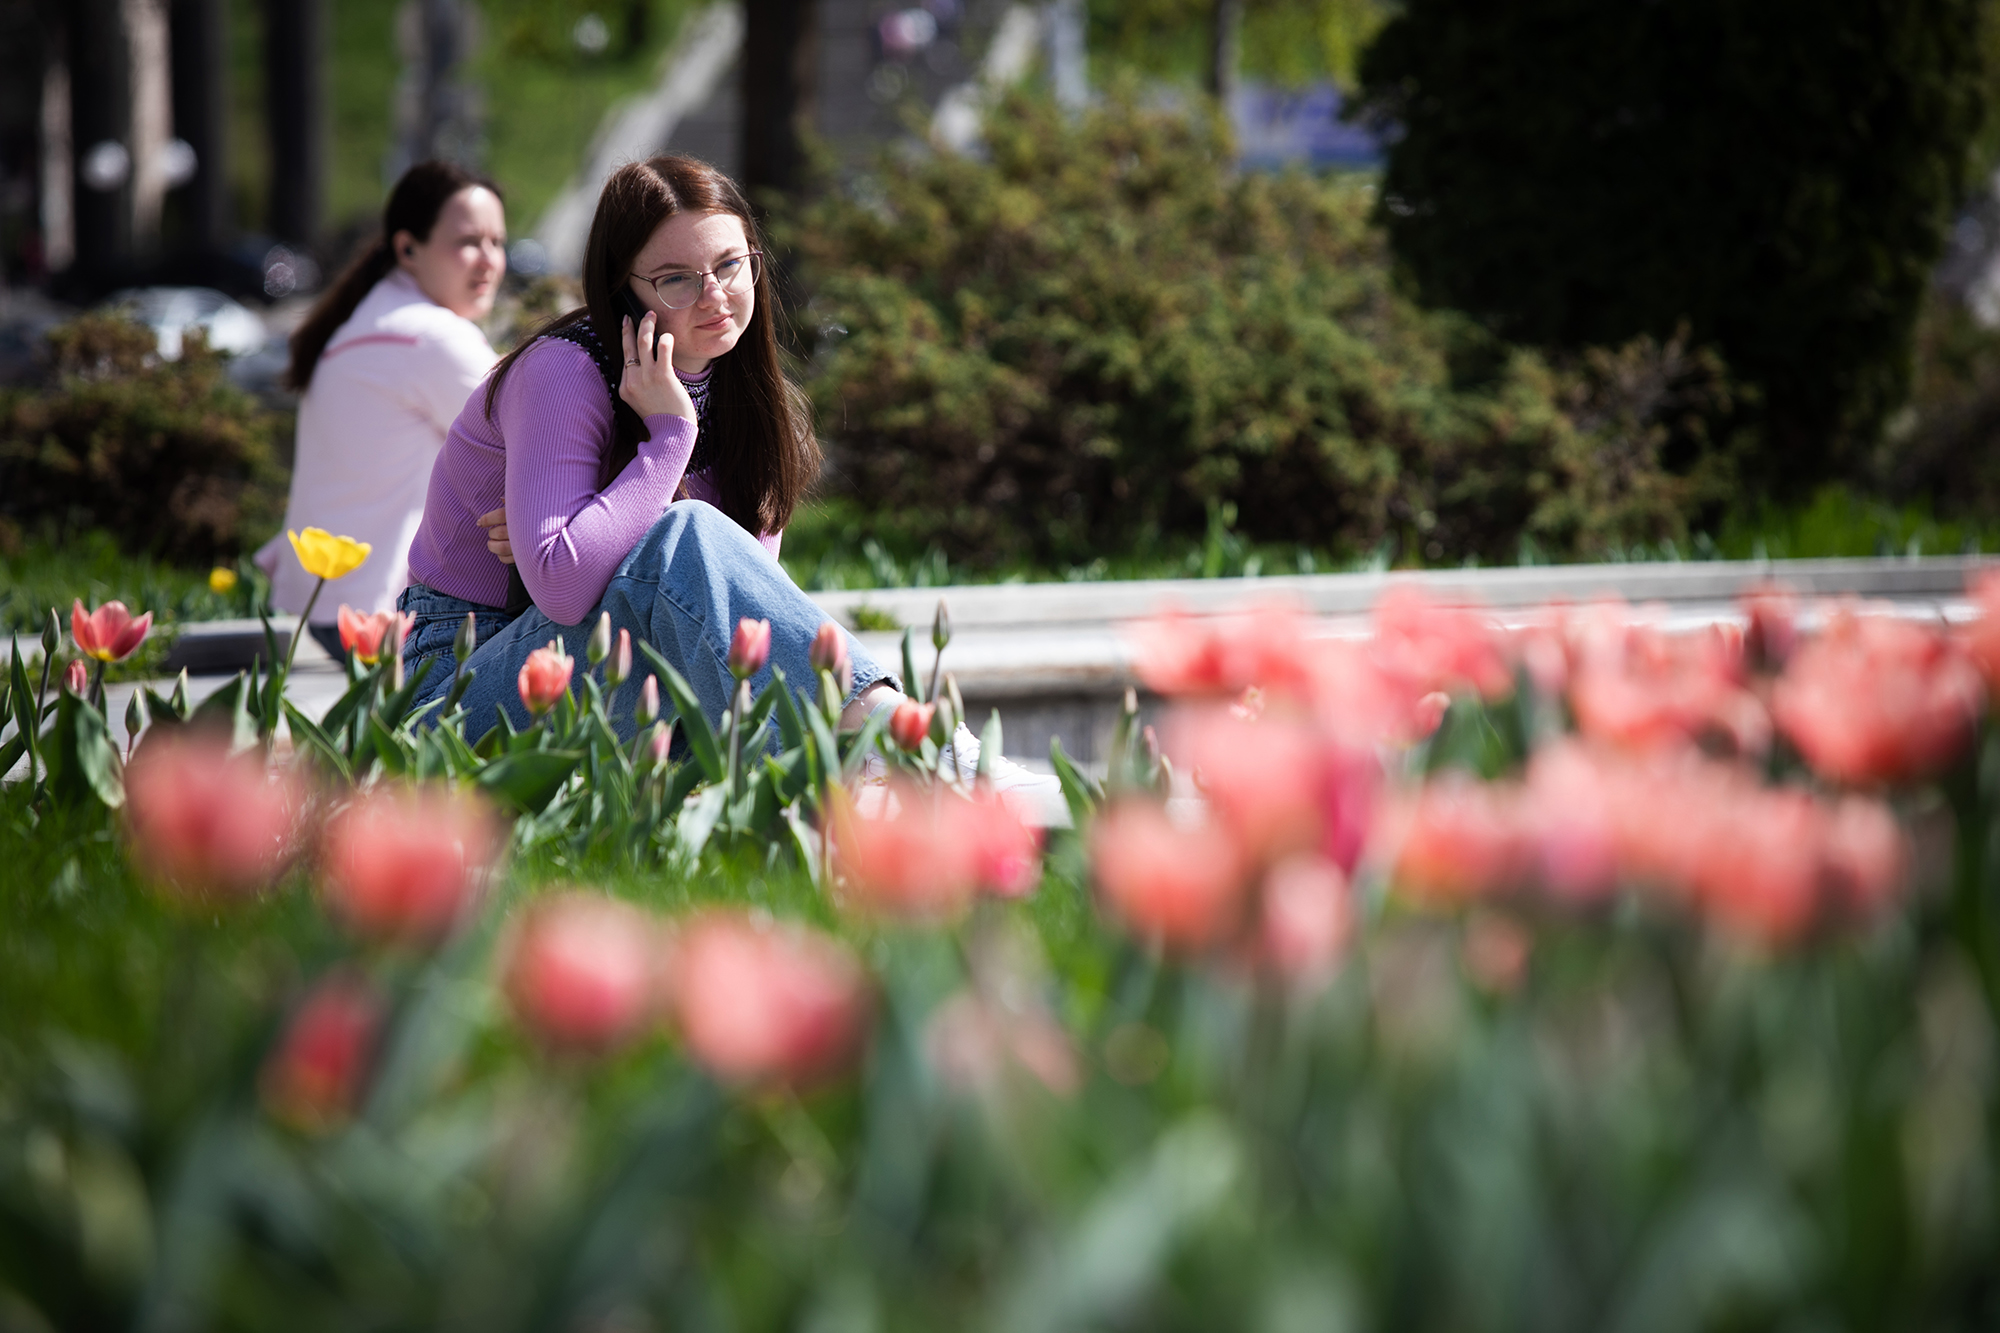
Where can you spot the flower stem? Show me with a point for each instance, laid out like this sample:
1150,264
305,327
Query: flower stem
305,619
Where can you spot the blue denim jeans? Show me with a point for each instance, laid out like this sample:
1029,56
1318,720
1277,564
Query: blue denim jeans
681,589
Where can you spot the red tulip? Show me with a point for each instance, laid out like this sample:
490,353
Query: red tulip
1758,865
1876,699
373,637
545,677
912,860
1183,886
109,633
1773,629
749,648
206,823
313,1079
1180,656
404,864
581,971
1866,854
758,1002
910,723
76,677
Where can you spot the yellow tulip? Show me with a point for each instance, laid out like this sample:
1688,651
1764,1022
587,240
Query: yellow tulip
327,556
221,579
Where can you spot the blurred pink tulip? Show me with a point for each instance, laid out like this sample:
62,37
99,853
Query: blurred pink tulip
1758,868
1264,779
1982,636
916,859
750,648
758,1002
1495,952
1183,656
1006,853
1431,647
910,723
313,1079
581,971
403,865
1772,631
1456,840
1867,855
1571,822
1305,918
373,637
204,823
1875,699
974,1045
1641,688
545,678
76,677
109,634
1182,886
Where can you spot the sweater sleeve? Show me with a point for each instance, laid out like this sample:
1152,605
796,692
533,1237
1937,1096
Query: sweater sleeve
569,537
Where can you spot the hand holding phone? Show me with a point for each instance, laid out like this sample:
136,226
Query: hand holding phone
649,384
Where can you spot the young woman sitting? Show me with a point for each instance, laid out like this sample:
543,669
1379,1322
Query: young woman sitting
645,453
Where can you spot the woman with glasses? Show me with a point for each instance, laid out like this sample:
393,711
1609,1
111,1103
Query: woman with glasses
639,456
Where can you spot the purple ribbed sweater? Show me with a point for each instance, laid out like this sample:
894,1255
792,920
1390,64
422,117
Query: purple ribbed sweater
541,451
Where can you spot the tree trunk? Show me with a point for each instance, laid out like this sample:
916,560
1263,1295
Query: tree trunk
201,119
100,135
1224,51
779,55
294,60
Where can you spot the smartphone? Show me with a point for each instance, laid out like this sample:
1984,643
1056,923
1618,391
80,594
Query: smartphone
628,303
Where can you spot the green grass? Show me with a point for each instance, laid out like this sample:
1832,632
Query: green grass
44,575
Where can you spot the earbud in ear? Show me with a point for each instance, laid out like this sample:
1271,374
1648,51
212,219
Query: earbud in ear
409,252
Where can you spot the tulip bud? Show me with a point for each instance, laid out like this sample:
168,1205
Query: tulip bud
940,627
829,649
599,646
750,649
649,702
136,714
658,743
910,723
468,637
619,668
76,677
52,633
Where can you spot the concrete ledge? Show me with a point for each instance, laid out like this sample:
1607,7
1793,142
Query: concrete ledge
1024,604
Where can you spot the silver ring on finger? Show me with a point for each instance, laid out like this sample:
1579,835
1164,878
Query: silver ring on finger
631,360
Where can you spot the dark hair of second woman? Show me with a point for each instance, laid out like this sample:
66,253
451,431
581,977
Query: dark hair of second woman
761,427
413,207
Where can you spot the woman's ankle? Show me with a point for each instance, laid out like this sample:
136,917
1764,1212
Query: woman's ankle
864,705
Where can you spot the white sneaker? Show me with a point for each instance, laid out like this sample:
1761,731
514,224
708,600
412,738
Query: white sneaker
1037,796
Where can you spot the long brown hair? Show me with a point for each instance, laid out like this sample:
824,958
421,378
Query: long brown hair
758,420
413,207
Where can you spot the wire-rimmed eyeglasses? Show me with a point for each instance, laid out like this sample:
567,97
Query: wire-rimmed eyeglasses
680,288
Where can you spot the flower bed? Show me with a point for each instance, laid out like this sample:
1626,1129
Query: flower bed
1587,976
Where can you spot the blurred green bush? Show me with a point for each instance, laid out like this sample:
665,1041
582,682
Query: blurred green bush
169,457
1098,330
1778,177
